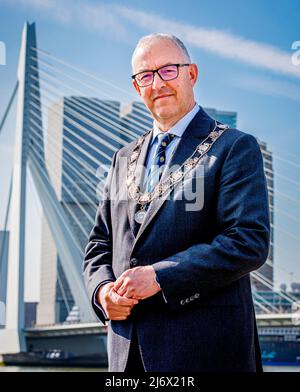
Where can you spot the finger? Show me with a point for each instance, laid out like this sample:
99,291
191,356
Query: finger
120,308
118,284
126,292
125,289
121,313
119,318
131,294
116,301
119,300
121,290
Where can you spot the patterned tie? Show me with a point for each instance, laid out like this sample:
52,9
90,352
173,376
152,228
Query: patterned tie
159,160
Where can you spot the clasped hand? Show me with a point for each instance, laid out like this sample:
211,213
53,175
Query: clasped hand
118,298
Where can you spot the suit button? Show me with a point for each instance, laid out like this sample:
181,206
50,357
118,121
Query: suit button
133,262
182,302
192,298
197,295
187,300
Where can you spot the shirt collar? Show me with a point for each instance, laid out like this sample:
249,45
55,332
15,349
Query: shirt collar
178,128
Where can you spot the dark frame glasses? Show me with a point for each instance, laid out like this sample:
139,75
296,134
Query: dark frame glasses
166,73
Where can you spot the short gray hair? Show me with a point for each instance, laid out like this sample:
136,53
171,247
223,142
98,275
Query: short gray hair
152,37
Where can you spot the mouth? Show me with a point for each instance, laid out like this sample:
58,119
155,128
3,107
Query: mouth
163,96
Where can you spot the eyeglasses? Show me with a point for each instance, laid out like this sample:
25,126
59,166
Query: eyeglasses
167,72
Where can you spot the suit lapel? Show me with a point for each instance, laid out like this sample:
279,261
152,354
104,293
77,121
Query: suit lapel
197,130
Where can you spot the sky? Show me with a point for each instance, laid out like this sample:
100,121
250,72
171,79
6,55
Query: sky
248,54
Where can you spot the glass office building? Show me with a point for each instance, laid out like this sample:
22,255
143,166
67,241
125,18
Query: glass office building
87,132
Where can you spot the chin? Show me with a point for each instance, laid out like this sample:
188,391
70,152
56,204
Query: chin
165,112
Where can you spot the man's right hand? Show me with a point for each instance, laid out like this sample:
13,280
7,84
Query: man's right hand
115,306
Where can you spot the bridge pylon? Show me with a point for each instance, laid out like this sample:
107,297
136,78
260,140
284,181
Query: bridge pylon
12,337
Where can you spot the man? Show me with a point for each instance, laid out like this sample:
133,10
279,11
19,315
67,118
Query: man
172,279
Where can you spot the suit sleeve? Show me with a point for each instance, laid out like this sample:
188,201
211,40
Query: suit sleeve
97,264
242,242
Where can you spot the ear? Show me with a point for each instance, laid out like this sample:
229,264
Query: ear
193,73
136,87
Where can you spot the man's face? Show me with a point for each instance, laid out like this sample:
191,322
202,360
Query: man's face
170,100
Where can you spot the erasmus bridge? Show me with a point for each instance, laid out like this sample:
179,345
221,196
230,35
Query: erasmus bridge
68,125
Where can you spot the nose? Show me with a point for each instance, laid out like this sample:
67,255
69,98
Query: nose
158,82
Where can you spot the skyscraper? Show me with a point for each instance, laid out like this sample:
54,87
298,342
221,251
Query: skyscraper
86,132
224,116
266,271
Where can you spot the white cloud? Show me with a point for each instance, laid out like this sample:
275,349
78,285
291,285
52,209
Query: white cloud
269,86
113,19
222,43
92,17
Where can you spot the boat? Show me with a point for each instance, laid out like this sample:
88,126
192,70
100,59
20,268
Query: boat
55,357
280,345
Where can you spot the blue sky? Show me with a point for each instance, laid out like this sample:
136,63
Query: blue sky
242,48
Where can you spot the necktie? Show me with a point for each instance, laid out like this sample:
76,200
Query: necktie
159,160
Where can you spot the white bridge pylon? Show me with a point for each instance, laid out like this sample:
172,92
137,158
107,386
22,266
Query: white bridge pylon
12,338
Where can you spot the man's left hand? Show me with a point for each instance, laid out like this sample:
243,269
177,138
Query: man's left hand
138,283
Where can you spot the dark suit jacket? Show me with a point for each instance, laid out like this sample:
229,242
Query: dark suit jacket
202,258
